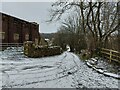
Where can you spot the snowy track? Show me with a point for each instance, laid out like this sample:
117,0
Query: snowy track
61,71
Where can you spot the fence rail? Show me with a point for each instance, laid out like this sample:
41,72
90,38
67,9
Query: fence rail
5,45
10,44
111,54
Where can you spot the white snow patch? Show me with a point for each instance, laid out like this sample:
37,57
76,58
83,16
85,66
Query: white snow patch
112,75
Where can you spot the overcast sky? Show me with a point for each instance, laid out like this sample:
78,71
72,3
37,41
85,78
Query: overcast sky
31,11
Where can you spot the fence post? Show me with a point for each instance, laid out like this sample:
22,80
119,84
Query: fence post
110,55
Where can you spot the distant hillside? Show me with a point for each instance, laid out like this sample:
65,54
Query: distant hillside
48,35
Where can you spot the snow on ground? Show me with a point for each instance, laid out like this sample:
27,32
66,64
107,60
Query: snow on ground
60,71
104,67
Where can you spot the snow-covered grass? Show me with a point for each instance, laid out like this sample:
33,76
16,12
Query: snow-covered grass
60,71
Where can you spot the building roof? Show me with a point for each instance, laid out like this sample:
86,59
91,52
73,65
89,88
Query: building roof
19,18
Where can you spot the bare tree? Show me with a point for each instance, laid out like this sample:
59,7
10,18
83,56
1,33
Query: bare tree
110,20
98,19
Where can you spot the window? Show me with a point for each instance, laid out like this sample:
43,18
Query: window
27,37
16,36
2,35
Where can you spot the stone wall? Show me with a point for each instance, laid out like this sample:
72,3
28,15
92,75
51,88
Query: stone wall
32,50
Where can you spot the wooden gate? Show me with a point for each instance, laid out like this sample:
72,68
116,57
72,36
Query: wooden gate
111,54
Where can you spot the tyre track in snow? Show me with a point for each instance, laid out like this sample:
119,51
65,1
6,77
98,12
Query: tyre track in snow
75,65
64,71
11,68
33,82
60,75
16,63
31,68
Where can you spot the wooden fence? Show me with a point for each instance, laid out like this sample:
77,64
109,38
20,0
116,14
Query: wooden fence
110,54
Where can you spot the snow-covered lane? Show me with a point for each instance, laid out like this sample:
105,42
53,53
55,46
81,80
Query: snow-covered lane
37,71
60,71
